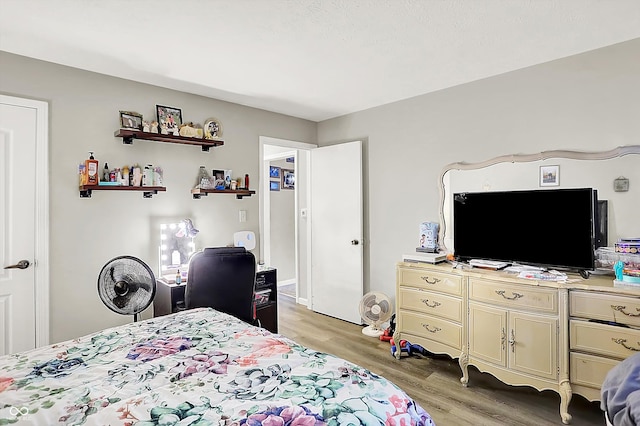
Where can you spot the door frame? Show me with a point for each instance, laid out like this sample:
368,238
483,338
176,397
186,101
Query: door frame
289,147
41,225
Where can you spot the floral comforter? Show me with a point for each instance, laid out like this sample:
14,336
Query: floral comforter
198,367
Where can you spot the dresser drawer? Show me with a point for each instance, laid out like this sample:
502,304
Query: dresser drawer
434,281
431,303
431,328
514,296
602,339
589,370
606,307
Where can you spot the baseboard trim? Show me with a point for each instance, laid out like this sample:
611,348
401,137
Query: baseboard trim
286,282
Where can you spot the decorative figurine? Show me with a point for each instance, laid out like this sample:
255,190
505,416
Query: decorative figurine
163,129
145,126
154,127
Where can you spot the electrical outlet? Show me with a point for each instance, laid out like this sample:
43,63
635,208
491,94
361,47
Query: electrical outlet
243,216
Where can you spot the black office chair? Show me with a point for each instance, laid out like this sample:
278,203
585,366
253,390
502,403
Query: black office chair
223,278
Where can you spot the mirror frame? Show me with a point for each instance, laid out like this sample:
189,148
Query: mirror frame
522,158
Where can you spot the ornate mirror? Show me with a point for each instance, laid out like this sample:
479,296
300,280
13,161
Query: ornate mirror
615,174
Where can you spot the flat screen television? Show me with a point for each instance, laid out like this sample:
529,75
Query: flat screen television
553,228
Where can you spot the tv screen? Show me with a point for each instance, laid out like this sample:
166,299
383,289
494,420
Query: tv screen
551,228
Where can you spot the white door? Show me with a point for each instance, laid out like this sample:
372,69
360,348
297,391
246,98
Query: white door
336,231
19,132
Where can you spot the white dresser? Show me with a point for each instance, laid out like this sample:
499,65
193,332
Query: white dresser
563,337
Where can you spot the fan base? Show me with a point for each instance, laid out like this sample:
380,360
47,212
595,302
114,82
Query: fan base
372,331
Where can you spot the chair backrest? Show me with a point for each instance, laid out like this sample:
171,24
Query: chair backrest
222,278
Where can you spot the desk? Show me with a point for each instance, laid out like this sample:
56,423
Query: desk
170,298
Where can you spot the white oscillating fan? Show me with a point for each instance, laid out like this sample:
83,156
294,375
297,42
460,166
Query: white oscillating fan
375,309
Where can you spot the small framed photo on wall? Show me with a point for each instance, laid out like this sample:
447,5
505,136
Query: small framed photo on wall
274,185
274,172
549,175
288,179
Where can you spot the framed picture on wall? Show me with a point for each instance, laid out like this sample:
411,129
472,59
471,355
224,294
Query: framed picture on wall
274,185
549,175
288,179
274,172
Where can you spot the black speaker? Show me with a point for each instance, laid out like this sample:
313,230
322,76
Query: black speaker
602,224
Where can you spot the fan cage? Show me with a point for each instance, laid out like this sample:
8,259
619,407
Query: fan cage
375,309
126,285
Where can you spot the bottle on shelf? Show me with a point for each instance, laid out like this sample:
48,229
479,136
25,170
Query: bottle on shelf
105,172
125,176
246,181
178,277
91,169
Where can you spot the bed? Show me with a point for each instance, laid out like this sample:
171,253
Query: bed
197,367
620,393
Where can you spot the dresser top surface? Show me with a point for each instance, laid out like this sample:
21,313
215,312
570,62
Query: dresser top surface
600,283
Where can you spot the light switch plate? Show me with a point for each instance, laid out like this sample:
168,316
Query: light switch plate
242,216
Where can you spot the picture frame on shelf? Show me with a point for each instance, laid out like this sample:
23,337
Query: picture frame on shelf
288,179
274,172
130,120
549,175
212,129
218,179
169,118
274,185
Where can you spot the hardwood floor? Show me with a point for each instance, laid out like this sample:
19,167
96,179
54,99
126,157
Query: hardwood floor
433,382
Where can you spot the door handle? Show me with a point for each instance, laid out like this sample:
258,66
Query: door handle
355,242
23,264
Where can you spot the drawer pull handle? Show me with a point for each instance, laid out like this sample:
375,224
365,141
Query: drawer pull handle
622,342
503,339
431,330
512,341
620,308
434,281
430,305
514,297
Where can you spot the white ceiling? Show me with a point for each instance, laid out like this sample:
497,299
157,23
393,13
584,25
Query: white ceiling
314,59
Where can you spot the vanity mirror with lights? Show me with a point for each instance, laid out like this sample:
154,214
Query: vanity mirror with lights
176,248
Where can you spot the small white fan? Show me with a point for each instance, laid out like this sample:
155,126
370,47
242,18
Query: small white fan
375,309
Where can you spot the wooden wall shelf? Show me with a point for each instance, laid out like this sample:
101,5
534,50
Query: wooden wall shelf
128,135
147,191
240,193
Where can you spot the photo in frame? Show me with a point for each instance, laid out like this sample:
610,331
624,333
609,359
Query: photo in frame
218,177
288,179
274,185
169,117
549,175
212,128
274,172
130,120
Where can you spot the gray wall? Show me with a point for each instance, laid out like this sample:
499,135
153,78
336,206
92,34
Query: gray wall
586,102
86,233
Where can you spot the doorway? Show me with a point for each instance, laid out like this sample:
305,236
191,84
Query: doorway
24,277
277,151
